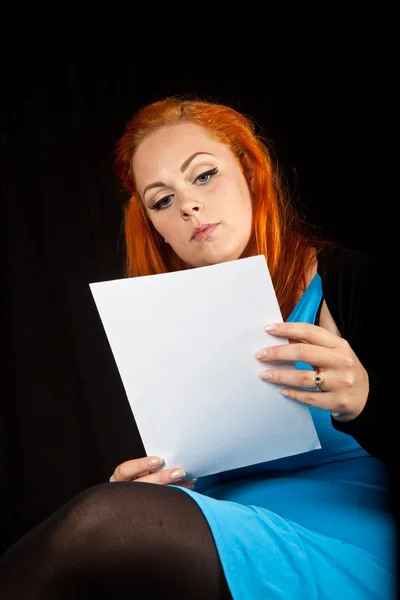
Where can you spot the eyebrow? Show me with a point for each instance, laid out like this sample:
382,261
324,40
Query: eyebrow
183,168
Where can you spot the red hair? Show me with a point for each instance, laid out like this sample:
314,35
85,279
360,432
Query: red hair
276,231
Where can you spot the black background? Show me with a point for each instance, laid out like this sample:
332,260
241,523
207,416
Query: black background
317,86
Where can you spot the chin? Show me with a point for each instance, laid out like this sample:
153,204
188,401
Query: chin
227,255
217,259
213,255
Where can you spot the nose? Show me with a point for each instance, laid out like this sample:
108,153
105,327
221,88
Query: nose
189,206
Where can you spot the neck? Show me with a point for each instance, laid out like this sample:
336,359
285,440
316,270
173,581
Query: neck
311,269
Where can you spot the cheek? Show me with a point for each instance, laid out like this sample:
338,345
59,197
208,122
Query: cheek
237,193
246,195
167,227
156,223
240,207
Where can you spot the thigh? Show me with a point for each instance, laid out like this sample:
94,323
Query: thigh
118,540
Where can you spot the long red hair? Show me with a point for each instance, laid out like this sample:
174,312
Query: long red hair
277,233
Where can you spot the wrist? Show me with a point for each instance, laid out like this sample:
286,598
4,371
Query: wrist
343,417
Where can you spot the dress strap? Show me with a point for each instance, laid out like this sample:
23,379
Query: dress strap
306,308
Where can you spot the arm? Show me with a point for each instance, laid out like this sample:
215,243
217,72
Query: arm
372,429
354,292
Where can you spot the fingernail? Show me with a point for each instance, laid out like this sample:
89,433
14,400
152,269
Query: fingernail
178,474
261,354
284,392
270,328
155,462
265,375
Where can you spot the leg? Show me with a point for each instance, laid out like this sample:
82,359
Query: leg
116,541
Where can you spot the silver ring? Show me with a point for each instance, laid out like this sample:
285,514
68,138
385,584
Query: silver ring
318,380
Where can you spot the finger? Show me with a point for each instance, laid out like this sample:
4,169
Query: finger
187,483
325,400
313,355
312,334
164,477
138,467
302,378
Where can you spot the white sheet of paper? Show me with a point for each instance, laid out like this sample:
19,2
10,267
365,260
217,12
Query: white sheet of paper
184,345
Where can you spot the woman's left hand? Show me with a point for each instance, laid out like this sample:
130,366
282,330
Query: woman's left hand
345,383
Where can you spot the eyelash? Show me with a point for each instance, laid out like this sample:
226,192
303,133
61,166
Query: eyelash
211,173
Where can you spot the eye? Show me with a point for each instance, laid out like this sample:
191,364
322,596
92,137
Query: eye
162,204
206,177
201,179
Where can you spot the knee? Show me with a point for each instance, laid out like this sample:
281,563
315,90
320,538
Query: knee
93,508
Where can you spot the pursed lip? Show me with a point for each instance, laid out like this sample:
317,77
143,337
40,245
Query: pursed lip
202,228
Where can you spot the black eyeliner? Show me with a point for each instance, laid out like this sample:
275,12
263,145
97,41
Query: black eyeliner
156,205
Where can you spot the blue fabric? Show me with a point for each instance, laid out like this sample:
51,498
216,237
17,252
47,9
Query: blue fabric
312,526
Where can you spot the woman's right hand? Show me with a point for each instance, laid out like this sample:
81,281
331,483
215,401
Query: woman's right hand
147,470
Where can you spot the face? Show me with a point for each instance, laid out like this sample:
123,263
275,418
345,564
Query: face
194,193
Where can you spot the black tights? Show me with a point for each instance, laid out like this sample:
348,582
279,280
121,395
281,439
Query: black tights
117,541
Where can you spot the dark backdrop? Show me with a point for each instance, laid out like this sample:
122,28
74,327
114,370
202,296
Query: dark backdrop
71,80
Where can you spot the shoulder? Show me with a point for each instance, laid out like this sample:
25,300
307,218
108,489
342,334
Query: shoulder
335,260
352,291
348,271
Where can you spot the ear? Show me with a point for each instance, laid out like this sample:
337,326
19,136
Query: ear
249,170
251,179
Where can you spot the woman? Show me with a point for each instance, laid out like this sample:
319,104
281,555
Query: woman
202,190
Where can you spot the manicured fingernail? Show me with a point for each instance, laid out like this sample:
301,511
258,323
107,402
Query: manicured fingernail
155,462
178,474
284,392
270,328
265,375
261,354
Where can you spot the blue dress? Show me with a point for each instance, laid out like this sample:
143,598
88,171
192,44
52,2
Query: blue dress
314,526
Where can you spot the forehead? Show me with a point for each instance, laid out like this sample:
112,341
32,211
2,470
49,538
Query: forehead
169,147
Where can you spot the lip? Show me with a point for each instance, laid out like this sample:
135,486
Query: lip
203,231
